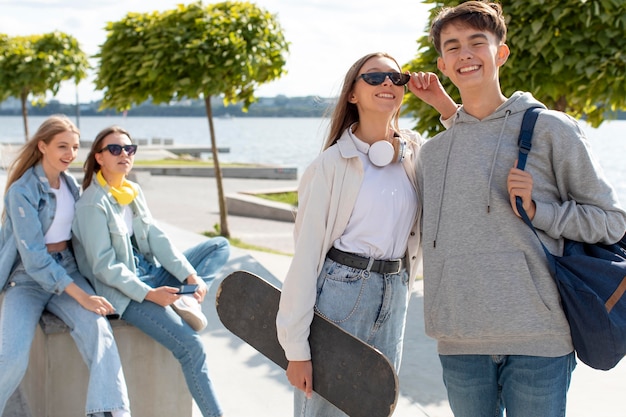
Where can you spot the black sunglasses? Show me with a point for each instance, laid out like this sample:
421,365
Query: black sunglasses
377,78
116,150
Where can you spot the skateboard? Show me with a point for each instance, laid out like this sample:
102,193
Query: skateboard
355,377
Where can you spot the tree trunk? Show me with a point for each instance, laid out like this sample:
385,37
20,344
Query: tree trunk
23,98
561,104
218,172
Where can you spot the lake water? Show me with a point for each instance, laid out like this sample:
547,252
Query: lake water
288,142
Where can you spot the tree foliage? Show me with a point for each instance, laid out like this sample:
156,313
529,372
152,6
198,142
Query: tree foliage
570,54
194,51
36,64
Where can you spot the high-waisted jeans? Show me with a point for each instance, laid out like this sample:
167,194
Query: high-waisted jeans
369,305
24,301
167,328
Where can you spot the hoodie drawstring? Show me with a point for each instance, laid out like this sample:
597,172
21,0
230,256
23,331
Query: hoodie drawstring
443,186
493,162
445,173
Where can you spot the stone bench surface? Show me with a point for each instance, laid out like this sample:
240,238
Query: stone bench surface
55,384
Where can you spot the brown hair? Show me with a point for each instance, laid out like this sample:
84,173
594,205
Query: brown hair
345,113
91,166
30,155
480,15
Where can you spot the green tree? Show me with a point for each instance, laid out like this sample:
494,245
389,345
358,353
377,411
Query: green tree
570,54
194,51
36,64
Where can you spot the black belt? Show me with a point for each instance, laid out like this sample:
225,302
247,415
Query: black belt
392,266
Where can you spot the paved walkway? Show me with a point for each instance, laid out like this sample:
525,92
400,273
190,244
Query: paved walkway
250,385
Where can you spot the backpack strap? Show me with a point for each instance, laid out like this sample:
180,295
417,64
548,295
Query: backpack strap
525,143
526,135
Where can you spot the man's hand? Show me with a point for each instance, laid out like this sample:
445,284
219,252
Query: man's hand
519,183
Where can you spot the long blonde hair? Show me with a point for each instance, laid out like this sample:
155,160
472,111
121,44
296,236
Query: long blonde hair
346,113
30,155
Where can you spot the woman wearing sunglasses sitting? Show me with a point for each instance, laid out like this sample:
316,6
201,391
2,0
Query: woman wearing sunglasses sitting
131,261
38,270
357,228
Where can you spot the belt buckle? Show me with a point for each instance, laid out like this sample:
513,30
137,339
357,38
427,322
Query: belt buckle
383,270
399,261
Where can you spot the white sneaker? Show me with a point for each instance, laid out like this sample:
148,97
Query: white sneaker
188,308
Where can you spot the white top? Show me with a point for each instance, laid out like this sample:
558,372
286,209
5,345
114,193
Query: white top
61,228
384,213
128,219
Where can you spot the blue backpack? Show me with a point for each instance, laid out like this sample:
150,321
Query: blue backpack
591,279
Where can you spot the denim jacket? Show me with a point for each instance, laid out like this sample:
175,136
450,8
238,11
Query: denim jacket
104,251
30,206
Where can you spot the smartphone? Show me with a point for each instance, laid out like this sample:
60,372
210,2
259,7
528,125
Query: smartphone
188,289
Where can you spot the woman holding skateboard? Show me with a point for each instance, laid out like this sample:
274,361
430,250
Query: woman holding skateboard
131,261
357,234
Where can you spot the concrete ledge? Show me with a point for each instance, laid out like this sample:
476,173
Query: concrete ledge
242,204
270,173
55,384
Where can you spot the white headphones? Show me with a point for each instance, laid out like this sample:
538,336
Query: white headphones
383,152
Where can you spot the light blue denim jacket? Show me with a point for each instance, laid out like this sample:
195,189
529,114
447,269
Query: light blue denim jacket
104,251
30,206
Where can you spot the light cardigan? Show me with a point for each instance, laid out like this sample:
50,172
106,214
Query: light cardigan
326,196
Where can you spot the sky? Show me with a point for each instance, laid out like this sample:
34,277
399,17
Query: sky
326,36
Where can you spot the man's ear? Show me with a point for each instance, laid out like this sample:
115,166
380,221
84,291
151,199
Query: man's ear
441,66
503,54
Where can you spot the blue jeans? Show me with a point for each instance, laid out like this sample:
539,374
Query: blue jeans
24,301
369,305
167,328
524,386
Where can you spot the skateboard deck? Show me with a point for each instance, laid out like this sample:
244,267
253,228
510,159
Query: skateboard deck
349,373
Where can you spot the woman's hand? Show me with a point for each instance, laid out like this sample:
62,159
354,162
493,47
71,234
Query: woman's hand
202,288
426,86
519,183
93,303
163,296
98,305
300,375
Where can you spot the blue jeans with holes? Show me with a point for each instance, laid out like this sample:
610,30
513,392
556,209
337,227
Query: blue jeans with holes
24,301
167,328
526,386
369,305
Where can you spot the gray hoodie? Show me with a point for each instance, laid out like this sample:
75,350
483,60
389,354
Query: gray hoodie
487,288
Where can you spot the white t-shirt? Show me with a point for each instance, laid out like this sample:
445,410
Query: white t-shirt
61,228
385,210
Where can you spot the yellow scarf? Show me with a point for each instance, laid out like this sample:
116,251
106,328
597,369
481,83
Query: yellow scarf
123,195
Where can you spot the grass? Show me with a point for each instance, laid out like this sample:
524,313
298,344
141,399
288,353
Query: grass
243,245
173,162
176,162
290,198
186,162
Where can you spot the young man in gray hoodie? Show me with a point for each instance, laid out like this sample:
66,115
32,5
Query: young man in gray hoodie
489,299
